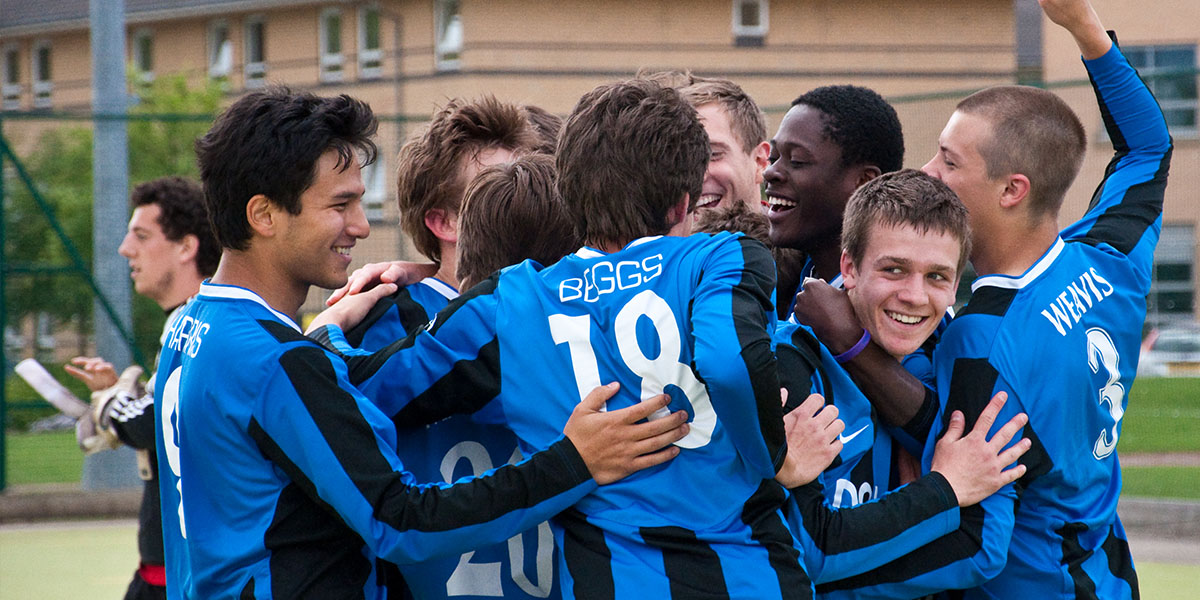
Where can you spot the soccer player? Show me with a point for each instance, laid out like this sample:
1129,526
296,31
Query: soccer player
1054,321
737,134
278,478
171,249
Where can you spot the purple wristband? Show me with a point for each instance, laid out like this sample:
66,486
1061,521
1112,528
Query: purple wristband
855,349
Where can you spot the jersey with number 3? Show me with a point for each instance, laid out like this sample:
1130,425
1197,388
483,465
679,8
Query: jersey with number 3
1062,340
686,316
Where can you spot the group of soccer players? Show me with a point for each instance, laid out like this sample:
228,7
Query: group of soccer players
633,411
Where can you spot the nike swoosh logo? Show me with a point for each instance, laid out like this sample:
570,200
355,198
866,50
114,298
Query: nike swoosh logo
845,439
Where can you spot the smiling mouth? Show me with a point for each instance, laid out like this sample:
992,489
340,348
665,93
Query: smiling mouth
902,318
708,200
343,250
778,204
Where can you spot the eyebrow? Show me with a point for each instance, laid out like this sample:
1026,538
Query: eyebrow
908,262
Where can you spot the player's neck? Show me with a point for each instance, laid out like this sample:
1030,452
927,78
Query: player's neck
448,270
1013,252
827,261
244,268
183,286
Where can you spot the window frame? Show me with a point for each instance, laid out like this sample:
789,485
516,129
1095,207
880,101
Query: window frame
440,52
375,185
1150,69
254,72
43,87
219,65
331,64
370,60
747,34
138,55
10,93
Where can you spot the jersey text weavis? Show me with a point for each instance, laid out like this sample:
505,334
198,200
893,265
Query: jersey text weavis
605,277
186,335
1073,302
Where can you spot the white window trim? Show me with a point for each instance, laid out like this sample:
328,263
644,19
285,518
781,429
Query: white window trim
744,31
135,51
43,89
439,51
375,55
375,183
331,64
10,92
254,73
219,55
1192,104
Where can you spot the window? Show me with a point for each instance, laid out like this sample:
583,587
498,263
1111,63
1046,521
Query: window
143,54
447,34
43,85
375,181
220,50
10,85
1170,71
254,53
331,45
370,54
1171,289
749,22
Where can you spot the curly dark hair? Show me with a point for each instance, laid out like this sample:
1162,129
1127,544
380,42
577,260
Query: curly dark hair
861,123
182,212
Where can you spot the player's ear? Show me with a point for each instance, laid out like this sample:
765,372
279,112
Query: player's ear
443,224
867,173
761,156
189,244
260,215
849,271
1016,190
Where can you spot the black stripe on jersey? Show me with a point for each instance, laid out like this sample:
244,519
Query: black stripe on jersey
412,315
957,545
988,300
971,385
798,363
1124,223
468,386
588,558
313,552
1120,561
282,333
405,508
761,514
692,566
837,531
1073,555
248,591
751,303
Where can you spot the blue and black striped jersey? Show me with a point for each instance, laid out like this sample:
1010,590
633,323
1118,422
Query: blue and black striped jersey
1063,340
280,480
686,315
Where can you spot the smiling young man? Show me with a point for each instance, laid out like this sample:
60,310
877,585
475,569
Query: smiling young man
1054,321
737,135
279,479
171,249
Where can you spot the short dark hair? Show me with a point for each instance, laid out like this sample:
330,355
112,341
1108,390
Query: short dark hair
1034,133
181,211
861,123
512,212
268,142
547,125
628,153
429,167
907,197
735,217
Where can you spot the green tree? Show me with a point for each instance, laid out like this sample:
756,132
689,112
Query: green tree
171,114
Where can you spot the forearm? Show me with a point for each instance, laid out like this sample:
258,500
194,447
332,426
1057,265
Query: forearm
892,390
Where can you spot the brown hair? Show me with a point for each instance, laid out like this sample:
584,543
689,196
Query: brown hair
182,211
429,167
628,153
907,197
746,119
1034,133
735,217
512,212
546,124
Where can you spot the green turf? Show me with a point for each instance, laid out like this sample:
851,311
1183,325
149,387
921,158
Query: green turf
1163,416
50,457
1161,482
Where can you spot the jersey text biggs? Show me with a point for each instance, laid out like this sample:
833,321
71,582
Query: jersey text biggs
606,277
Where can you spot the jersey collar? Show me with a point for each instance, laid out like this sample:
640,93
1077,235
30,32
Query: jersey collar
440,287
209,289
589,252
1032,273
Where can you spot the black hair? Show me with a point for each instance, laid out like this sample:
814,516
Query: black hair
861,123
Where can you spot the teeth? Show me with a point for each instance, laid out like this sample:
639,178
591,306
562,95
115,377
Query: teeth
775,202
906,319
707,199
343,250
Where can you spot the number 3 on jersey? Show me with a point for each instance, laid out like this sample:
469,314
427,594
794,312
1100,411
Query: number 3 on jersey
656,373
1102,352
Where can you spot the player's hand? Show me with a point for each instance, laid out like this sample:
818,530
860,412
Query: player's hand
95,372
1080,19
368,276
349,311
828,312
812,440
614,444
974,465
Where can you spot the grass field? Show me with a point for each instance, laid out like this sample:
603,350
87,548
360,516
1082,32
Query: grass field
94,560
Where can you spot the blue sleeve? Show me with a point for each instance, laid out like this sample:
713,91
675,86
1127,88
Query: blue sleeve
731,315
839,543
1125,212
338,448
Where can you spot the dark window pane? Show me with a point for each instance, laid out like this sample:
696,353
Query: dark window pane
1173,272
371,25
749,15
